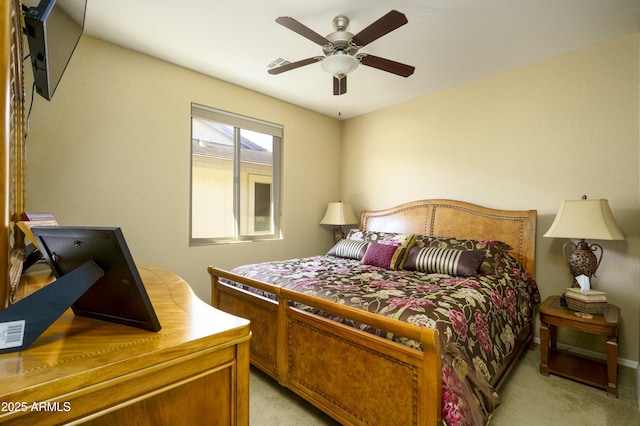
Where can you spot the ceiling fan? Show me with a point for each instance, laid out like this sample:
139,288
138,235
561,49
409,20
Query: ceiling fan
341,48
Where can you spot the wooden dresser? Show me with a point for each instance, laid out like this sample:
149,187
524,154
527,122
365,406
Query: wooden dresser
194,371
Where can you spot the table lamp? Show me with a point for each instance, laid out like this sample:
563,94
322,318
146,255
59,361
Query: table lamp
584,219
339,214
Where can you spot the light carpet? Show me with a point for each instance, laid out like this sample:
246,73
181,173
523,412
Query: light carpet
527,398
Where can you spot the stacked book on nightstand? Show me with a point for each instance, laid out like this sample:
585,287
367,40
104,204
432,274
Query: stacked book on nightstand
590,301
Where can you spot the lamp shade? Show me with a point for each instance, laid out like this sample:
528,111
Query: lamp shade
585,219
339,214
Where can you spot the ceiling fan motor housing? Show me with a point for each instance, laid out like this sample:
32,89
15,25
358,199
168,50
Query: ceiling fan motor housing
340,39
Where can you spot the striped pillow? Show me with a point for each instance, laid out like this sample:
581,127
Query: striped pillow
434,260
349,249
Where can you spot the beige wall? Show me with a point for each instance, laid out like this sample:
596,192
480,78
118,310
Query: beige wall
525,139
112,148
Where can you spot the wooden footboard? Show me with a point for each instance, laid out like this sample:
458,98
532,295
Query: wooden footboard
356,377
353,376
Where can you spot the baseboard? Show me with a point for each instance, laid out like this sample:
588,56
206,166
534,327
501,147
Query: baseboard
598,355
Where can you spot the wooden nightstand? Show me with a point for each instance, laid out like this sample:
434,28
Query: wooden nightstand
595,373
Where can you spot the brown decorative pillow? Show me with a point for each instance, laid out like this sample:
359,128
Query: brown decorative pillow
388,238
461,263
493,262
349,249
383,255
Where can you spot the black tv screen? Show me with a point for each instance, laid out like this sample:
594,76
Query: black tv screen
53,29
119,296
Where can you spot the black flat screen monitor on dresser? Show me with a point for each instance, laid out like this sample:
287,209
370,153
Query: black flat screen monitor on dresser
119,296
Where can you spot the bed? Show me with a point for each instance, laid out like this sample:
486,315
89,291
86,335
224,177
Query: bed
355,357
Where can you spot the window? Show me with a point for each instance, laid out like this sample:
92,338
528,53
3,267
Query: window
235,177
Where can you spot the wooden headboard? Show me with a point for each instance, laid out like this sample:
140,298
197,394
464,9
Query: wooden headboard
450,218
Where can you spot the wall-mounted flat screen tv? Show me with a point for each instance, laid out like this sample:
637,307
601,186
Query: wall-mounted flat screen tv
53,29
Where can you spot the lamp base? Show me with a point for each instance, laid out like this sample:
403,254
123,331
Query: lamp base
338,234
582,259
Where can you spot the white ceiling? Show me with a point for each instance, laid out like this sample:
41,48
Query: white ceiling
449,42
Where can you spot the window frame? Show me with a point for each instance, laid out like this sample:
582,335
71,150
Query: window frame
239,122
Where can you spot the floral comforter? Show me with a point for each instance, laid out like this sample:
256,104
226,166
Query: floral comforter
478,317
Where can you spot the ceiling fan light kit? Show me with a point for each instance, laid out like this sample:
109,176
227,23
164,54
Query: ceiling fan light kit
339,64
340,48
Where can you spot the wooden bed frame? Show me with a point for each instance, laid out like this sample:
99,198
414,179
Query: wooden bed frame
329,364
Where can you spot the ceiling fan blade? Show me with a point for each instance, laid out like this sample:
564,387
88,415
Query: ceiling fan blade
294,65
303,30
387,65
382,26
340,85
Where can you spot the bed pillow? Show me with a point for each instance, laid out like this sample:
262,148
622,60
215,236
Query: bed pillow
388,238
493,262
383,255
349,249
402,241
460,263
